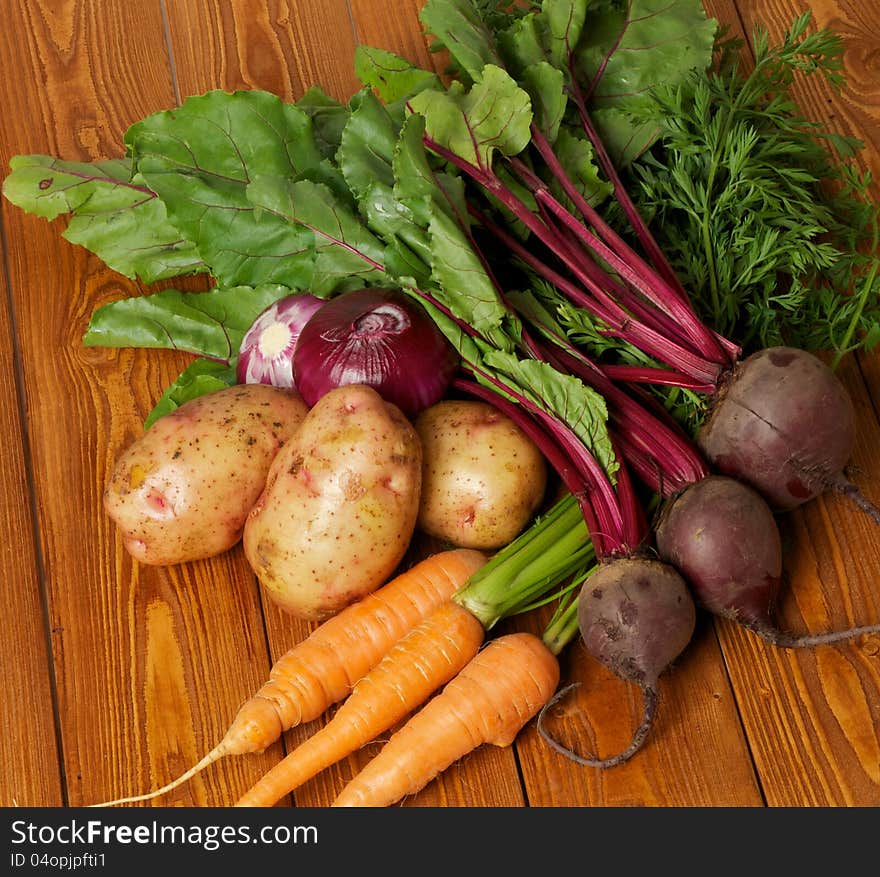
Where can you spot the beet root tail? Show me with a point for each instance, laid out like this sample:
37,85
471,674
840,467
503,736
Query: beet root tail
842,485
786,640
651,700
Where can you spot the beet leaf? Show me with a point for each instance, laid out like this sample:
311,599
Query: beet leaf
210,323
199,159
112,214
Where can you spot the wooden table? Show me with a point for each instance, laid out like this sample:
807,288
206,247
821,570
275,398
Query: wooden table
120,676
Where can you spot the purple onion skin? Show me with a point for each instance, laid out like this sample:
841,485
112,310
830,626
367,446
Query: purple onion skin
380,338
266,352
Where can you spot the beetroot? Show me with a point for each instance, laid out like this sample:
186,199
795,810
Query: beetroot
723,538
635,616
784,423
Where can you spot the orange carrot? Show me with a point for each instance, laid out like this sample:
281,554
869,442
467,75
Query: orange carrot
416,666
489,701
323,668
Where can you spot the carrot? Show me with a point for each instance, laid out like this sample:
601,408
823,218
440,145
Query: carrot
416,666
489,701
323,668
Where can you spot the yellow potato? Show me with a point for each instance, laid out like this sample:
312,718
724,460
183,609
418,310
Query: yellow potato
483,478
183,490
340,505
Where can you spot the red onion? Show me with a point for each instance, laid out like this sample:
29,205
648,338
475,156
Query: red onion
379,337
266,352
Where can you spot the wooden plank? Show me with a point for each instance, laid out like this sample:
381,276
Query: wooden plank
30,770
283,48
39,41
134,648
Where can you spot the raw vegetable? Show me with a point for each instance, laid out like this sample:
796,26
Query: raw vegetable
489,701
635,616
322,669
585,268
419,663
763,212
516,579
340,504
266,352
183,490
724,539
784,423
571,246
374,206
483,479
380,338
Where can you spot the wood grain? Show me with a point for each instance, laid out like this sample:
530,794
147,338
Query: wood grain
401,33
115,627
278,46
697,715
124,675
32,773
811,715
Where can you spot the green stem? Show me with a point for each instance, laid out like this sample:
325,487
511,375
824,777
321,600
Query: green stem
868,285
556,546
563,626
708,243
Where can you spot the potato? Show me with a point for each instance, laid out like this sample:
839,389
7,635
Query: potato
340,505
483,478
183,490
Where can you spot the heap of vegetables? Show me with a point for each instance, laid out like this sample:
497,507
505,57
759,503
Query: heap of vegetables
608,340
